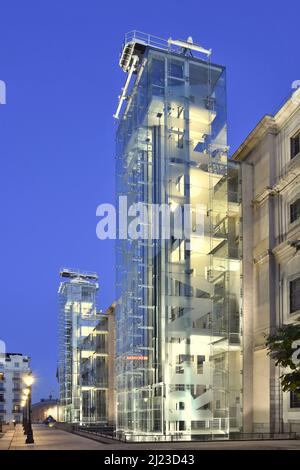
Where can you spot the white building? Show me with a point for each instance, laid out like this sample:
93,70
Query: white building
13,366
270,173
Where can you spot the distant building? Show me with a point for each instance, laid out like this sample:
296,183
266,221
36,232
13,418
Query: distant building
86,352
98,391
77,319
13,366
44,408
270,172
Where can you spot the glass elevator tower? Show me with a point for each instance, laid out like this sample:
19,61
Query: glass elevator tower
77,319
178,337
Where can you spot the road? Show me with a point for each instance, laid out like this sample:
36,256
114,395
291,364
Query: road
54,439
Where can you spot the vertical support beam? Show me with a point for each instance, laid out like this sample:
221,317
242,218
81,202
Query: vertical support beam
125,88
273,286
248,307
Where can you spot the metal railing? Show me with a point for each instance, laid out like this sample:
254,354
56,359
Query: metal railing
263,436
157,42
147,39
100,431
209,437
110,433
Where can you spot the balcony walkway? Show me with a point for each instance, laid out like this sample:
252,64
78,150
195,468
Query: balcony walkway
54,439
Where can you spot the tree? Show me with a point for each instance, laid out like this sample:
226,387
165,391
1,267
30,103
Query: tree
282,347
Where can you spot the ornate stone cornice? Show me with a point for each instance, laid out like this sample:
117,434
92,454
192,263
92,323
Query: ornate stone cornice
263,257
266,125
284,251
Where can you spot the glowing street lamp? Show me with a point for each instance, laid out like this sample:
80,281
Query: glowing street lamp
28,381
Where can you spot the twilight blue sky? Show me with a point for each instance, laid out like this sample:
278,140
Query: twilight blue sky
59,59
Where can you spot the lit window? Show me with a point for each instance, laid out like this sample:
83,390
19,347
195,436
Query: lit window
295,211
295,145
295,295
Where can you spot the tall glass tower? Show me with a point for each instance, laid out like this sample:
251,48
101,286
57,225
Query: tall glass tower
179,365
77,319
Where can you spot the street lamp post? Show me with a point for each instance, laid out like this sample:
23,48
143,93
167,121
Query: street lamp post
28,380
24,405
29,439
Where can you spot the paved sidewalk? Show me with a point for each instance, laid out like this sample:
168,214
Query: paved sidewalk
54,439
51,439
6,439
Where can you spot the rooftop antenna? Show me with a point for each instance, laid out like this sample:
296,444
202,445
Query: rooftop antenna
185,50
189,45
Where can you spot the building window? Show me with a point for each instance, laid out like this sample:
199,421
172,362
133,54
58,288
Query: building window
295,145
86,294
182,425
295,295
185,358
180,141
181,405
176,69
200,361
294,400
295,211
179,388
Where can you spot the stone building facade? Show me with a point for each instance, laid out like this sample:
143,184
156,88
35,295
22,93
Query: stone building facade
270,174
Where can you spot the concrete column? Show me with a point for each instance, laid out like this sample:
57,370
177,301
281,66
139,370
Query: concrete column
247,230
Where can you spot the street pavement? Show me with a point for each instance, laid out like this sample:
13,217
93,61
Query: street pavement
54,439
6,439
